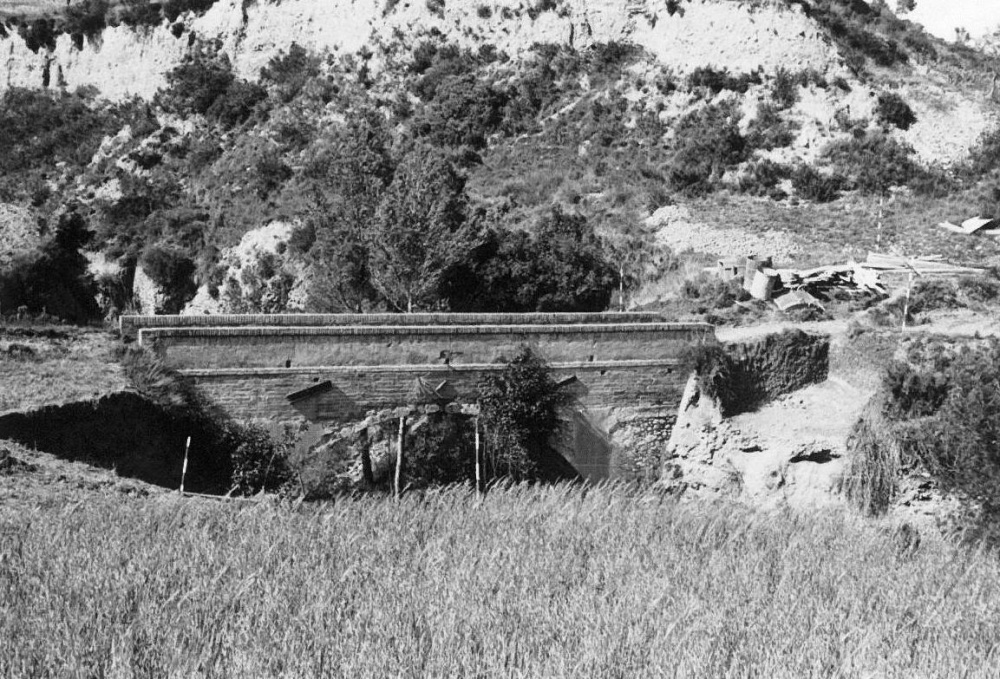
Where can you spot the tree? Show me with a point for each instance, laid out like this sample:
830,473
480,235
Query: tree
519,408
345,182
905,6
562,266
418,229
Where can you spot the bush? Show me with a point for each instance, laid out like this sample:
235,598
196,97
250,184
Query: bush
54,280
520,413
892,110
769,130
174,8
982,289
874,162
813,185
86,18
259,463
707,141
439,451
938,409
38,34
436,7
237,104
761,177
717,80
195,84
173,271
562,267
139,13
784,89
288,72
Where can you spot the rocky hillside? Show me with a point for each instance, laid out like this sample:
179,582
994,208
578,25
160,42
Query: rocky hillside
122,61
497,156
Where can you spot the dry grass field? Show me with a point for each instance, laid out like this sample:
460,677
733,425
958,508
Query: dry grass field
527,582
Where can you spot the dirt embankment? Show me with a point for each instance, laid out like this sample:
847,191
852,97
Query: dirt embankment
125,432
64,392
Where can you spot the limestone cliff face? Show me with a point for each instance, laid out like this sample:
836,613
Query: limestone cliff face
126,62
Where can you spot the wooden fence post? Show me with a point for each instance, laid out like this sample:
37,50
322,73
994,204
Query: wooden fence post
479,482
184,468
399,455
366,458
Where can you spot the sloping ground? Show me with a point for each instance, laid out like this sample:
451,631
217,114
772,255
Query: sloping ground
64,393
33,478
41,366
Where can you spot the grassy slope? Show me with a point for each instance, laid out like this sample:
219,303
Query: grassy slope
530,582
67,364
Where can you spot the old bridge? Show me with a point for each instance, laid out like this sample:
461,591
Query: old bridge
624,370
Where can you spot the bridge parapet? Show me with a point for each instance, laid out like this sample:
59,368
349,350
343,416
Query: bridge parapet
625,370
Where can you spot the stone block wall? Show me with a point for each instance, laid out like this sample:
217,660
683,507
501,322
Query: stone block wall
622,369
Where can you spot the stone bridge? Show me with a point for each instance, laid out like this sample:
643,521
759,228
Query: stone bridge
624,370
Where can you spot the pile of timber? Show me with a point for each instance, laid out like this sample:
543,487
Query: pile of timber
791,288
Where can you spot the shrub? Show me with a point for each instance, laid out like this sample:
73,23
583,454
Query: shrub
195,84
761,177
892,110
813,185
86,18
55,279
38,34
174,8
484,11
706,142
717,80
259,463
288,72
563,266
436,7
769,130
985,155
237,104
173,271
982,289
874,162
139,13
439,451
542,6
520,413
938,409
710,292
784,89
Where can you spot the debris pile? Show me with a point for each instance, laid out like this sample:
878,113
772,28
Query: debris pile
792,288
976,225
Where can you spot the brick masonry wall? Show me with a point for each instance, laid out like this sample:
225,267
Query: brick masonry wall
629,377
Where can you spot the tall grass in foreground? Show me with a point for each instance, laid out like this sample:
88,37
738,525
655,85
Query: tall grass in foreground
530,582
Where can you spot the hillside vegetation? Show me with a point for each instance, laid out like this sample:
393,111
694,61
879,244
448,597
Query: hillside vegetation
438,172
525,582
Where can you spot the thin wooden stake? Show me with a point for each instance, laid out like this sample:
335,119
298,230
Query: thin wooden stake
479,482
906,307
184,468
399,456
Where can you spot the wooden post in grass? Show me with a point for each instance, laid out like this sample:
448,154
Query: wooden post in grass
366,458
184,467
906,306
479,482
399,455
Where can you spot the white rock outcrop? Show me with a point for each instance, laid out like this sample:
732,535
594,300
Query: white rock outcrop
125,62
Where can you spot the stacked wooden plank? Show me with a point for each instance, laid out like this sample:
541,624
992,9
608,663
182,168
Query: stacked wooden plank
976,225
931,265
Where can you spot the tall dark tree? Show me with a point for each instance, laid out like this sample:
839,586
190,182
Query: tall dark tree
346,180
418,229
